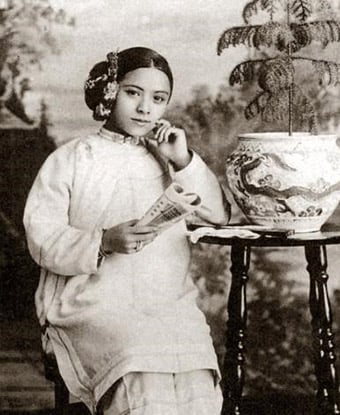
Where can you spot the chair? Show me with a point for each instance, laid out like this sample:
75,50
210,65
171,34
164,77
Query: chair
61,393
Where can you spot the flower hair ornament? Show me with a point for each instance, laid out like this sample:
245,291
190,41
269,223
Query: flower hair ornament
101,88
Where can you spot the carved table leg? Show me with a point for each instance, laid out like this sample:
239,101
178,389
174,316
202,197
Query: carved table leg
233,372
323,336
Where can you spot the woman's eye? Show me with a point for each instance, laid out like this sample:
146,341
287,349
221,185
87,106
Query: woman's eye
132,92
159,99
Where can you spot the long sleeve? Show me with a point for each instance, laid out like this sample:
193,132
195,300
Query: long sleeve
198,178
53,243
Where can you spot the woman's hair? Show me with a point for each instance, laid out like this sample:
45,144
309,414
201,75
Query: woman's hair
127,60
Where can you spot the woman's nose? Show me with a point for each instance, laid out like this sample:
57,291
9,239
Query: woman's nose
144,106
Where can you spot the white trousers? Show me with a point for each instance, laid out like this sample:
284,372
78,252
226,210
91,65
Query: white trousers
140,393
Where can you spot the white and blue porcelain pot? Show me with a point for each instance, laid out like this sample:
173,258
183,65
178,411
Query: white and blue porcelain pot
284,181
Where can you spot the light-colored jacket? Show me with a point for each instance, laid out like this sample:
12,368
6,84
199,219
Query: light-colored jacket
133,312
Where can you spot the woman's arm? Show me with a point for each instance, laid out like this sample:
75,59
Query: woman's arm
189,170
198,178
53,243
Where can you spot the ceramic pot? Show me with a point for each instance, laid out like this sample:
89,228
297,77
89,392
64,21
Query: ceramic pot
284,181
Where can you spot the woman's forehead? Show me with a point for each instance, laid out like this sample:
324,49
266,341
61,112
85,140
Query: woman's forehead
148,78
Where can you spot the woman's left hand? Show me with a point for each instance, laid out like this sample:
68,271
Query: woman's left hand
171,142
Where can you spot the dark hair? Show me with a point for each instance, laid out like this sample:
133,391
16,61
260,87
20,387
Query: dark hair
139,57
128,60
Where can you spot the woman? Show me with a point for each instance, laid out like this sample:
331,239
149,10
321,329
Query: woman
115,298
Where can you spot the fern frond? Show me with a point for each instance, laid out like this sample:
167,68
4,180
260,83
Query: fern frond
249,10
313,124
301,9
276,107
257,105
238,35
253,6
324,32
274,34
304,110
244,72
328,72
269,34
302,37
276,75
269,6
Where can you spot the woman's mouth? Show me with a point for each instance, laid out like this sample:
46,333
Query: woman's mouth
140,121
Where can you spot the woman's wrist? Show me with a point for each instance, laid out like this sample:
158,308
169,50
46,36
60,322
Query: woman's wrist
104,250
181,162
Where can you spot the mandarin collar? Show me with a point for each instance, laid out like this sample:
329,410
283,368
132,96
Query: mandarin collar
121,138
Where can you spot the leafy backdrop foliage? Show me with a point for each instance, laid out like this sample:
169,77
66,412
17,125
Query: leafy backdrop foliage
27,34
278,342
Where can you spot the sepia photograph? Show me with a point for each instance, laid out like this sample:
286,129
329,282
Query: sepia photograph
169,216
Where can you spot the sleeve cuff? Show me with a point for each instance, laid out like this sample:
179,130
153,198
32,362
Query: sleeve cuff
187,172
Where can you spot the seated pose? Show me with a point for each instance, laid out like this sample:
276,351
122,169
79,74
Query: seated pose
115,300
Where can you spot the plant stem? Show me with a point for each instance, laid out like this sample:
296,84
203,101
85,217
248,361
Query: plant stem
290,90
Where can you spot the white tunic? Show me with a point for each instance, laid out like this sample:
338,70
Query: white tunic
133,312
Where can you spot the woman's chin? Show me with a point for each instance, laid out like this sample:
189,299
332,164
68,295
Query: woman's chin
138,132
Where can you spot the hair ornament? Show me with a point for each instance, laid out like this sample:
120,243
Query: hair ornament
112,58
102,112
103,88
91,83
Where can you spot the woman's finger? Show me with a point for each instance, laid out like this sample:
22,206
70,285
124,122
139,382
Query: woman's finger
172,131
160,133
144,229
131,222
136,246
145,238
162,122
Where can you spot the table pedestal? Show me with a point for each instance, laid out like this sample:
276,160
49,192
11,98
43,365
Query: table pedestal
323,337
236,327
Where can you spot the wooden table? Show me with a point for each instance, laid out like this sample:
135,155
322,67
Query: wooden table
315,247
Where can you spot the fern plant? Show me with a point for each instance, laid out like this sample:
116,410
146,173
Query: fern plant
291,26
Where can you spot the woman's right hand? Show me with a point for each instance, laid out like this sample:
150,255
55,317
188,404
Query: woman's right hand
127,237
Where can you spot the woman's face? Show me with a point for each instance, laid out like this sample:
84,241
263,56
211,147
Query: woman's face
141,101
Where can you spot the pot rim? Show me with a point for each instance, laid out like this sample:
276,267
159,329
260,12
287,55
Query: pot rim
269,135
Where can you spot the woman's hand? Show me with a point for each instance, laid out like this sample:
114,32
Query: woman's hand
127,238
171,142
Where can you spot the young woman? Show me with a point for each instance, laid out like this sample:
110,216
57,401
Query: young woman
115,300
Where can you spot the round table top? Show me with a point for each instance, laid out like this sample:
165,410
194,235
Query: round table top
328,235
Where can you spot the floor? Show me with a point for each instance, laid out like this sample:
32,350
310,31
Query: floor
22,383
